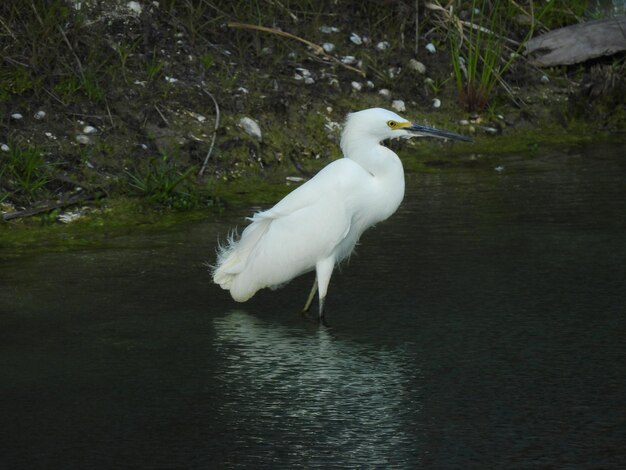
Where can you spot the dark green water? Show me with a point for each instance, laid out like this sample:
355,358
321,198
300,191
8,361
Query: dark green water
482,326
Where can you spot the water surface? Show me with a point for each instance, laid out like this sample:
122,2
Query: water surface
482,326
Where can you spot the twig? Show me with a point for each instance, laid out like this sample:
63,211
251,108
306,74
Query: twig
50,206
319,50
217,124
161,114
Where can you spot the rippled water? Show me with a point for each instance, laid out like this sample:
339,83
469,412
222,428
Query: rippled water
482,326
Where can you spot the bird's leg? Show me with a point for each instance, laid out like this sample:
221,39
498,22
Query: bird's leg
323,270
309,299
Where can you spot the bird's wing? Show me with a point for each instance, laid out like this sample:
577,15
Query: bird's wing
290,238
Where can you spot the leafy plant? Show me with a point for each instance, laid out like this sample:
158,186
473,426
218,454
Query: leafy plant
25,170
162,183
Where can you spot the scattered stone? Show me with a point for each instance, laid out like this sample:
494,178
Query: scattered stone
356,39
490,130
430,47
17,116
417,66
39,115
50,135
329,29
89,130
393,72
398,105
464,122
385,93
348,60
171,79
370,84
499,168
251,127
72,216
243,90
294,179
83,139
436,103
5,148
357,86
135,7
383,45
328,47
545,79
198,117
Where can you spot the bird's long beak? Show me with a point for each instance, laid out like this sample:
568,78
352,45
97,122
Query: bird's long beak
432,131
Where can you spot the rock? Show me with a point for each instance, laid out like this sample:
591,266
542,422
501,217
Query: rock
348,60
329,29
430,47
39,115
499,168
357,86
393,72
398,105
385,93
356,39
17,116
135,7
83,139
251,127
382,45
171,79
417,66
545,79
370,84
328,47
464,122
294,179
436,103
490,130
5,148
89,130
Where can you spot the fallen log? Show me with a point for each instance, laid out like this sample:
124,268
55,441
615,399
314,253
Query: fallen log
578,43
50,206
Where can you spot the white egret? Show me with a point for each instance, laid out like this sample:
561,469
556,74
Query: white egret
317,225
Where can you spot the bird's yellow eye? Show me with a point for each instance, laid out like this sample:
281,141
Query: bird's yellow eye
392,124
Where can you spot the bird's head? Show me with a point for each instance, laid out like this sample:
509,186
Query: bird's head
384,124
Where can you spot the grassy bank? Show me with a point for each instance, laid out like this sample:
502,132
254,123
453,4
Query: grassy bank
134,109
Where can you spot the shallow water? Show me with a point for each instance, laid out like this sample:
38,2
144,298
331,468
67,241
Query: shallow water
482,326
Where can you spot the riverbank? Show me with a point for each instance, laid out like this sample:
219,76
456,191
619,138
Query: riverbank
148,114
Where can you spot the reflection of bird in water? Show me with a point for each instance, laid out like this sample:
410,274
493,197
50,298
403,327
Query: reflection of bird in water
318,224
312,391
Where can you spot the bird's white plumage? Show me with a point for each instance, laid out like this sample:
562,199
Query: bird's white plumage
318,224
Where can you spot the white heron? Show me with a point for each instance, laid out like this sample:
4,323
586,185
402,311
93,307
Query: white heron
318,224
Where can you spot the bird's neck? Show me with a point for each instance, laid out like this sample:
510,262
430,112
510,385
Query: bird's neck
372,156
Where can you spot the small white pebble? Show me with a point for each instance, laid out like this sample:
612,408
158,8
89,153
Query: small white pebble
39,115
243,90
309,81
436,103
329,29
328,47
171,79
430,47
369,84
417,66
356,39
17,116
348,60
385,93
464,122
251,127
294,179
135,7
357,86
499,168
83,139
382,45
5,148
398,105
545,79
89,130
